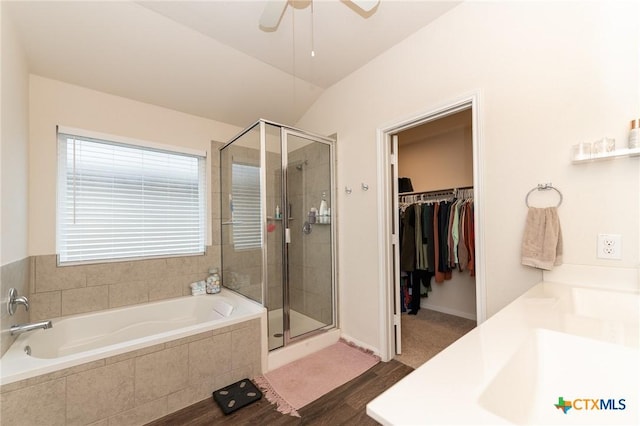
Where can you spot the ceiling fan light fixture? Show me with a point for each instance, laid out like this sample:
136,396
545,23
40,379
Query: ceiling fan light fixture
365,5
274,10
272,15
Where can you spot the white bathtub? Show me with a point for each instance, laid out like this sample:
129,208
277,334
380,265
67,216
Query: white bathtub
79,339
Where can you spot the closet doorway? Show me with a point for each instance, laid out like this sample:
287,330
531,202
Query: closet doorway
439,151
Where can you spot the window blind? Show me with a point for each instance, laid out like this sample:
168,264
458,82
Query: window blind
245,194
119,201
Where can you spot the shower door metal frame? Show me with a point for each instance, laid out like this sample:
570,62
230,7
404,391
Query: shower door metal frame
285,132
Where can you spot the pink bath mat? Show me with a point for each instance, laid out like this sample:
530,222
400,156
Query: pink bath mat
296,384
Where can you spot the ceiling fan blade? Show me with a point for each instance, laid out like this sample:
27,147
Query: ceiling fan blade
365,5
272,14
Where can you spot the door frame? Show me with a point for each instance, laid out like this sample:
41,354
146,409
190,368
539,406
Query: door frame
389,321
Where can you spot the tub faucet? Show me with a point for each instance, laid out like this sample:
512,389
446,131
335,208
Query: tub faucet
21,328
15,300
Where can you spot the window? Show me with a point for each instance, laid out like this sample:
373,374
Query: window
245,208
119,201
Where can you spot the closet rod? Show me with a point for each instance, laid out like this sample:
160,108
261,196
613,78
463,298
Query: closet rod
434,192
413,197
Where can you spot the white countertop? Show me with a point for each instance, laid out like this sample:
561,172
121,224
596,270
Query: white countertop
553,341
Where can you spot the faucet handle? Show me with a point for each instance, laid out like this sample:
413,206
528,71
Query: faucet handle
15,300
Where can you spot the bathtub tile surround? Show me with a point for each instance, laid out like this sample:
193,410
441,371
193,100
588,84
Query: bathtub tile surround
99,393
49,277
16,275
139,386
66,290
136,416
128,292
171,362
42,404
45,306
209,357
34,381
86,299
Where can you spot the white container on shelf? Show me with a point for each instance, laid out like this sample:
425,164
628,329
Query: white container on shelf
581,151
634,134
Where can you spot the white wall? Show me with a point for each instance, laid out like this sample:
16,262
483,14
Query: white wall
54,103
15,131
550,74
438,162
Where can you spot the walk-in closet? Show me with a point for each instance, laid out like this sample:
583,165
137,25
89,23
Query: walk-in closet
435,211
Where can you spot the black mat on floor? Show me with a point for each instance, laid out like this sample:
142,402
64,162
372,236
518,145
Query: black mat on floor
233,397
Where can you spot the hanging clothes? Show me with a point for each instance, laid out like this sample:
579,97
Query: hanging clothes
436,237
442,224
408,243
421,246
428,235
470,238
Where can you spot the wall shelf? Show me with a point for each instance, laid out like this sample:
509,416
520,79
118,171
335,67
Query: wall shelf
618,153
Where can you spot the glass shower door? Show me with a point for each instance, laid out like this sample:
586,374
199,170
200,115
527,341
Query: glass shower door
240,214
277,227
309,291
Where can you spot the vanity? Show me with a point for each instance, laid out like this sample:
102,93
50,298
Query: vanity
559,354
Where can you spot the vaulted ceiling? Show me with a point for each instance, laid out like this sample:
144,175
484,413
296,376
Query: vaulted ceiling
210,58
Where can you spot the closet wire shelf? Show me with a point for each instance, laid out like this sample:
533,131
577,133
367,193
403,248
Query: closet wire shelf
444,194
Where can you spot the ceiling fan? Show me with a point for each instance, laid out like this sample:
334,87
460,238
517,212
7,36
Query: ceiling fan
274,10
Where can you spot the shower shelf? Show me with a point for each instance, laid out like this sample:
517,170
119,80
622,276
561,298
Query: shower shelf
277,218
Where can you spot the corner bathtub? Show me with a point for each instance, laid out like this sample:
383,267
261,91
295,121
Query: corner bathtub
83,338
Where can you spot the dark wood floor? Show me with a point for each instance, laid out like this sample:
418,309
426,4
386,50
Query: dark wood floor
343,405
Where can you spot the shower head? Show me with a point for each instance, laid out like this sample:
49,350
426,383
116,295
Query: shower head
304,163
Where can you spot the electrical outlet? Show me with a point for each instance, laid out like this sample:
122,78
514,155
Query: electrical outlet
609,246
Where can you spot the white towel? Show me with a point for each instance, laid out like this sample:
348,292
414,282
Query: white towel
542,240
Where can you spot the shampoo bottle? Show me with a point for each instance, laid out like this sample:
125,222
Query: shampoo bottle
323,211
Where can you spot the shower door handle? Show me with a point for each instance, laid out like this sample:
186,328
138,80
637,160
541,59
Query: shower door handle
287,235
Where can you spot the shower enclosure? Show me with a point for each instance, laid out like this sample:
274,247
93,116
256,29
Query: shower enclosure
278,228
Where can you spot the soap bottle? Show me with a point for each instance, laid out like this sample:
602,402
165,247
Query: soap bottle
277,216
313,215
213,281
323,209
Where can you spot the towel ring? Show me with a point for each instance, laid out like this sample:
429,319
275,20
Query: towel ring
543,187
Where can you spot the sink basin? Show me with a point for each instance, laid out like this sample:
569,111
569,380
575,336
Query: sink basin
606,305
553,368
604,315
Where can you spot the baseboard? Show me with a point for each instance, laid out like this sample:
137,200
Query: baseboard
360,344
445,310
